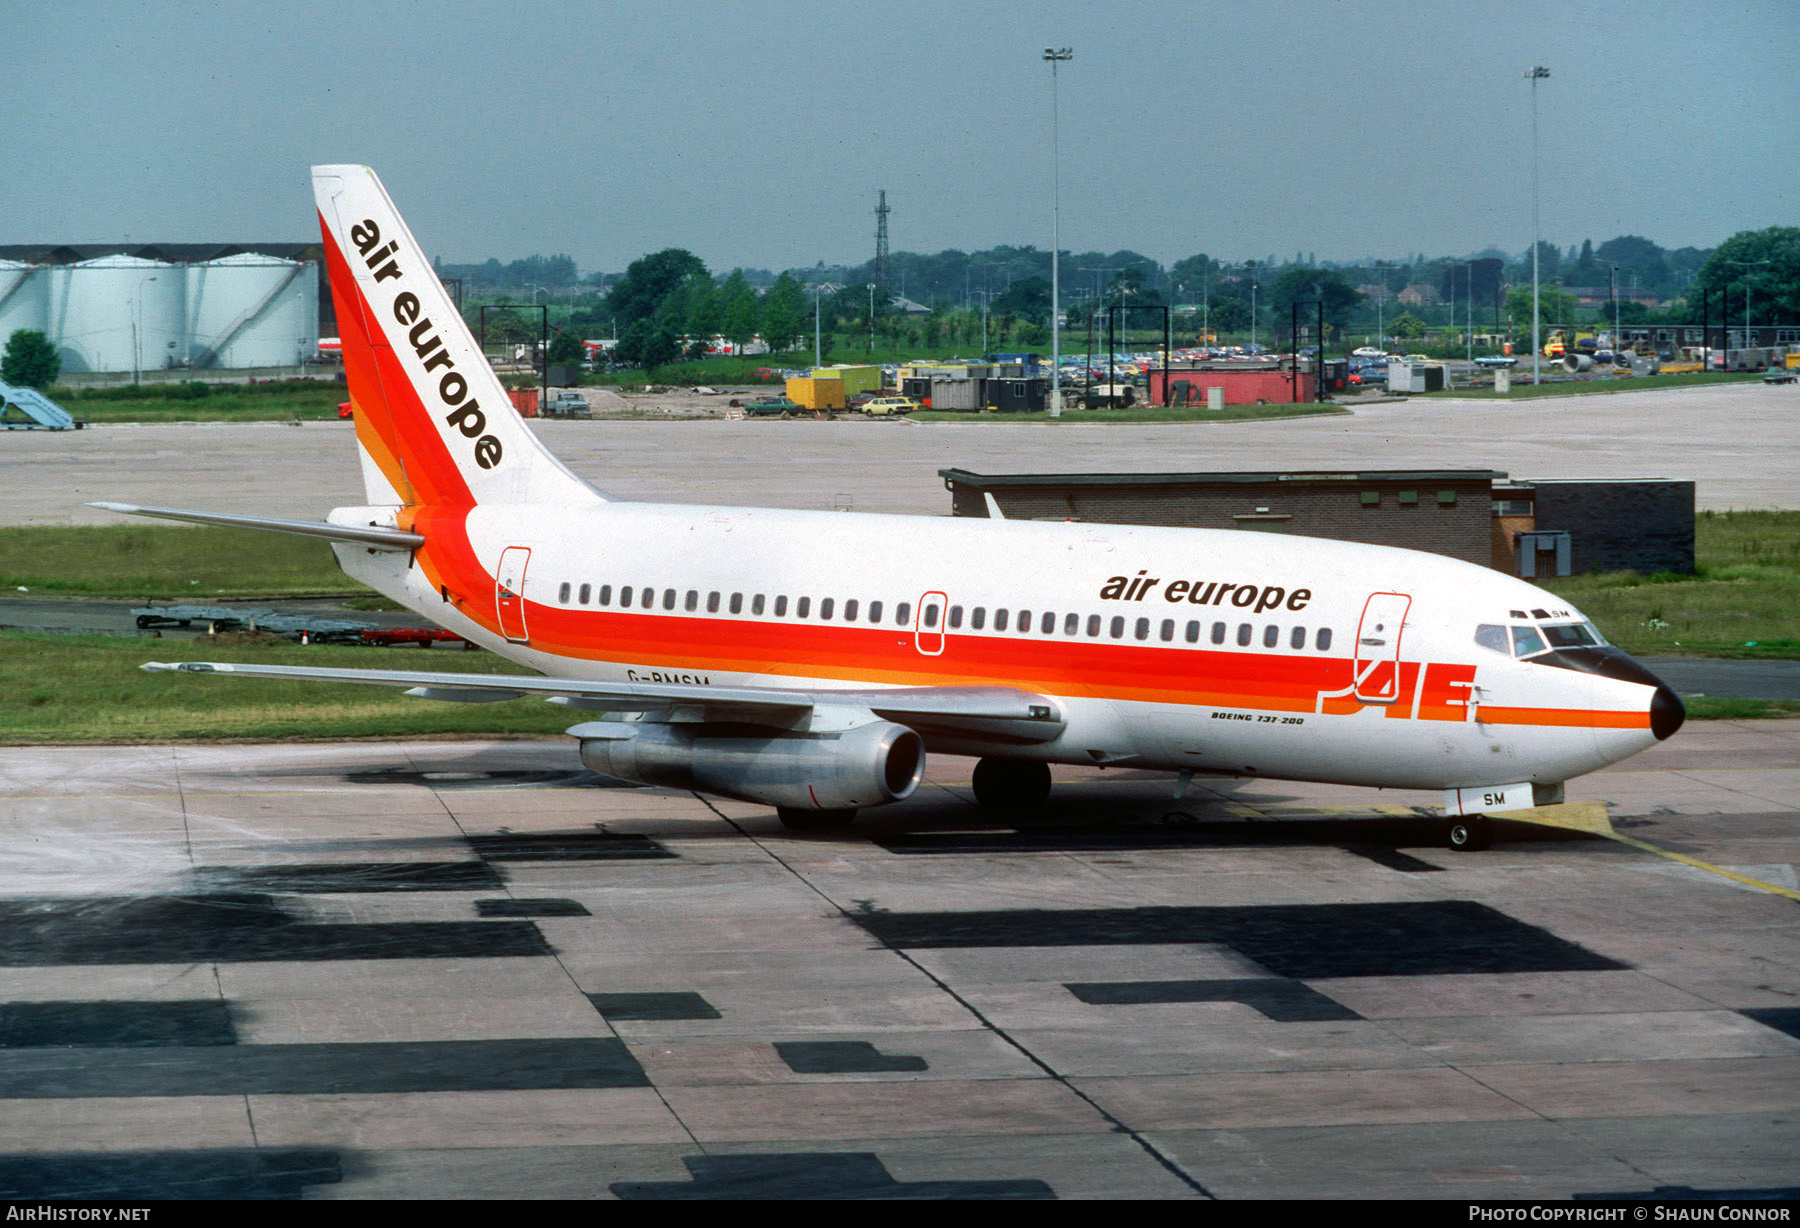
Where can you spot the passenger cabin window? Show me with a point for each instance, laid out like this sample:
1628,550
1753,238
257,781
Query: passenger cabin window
606,594
1093,625
583,594
1322,641
756,605
903,613
781,606
978,617
668,599
712,603
802,606
737,603
874,611
1243,636
825,606
562,594
850,610
1000,619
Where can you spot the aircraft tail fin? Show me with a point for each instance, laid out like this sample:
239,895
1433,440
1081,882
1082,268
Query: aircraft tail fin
433,423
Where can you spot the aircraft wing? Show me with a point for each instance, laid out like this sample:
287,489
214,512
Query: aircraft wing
990,711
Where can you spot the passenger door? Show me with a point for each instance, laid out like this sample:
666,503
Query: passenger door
928,625
509,593
1378,647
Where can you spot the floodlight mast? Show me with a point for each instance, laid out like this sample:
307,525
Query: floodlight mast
1055,56
1534,76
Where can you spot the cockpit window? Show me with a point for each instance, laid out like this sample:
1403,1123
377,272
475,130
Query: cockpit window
1570,635
1527,642
1494,638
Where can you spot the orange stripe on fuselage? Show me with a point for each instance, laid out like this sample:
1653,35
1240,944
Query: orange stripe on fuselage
1075,668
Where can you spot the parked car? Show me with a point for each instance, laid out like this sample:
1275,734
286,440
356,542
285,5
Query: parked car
567,403
882,406
773,407
1496,360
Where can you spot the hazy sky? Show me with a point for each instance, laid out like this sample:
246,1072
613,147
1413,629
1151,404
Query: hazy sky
758,133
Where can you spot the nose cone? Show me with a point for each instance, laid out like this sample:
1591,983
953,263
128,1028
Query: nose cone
1667,713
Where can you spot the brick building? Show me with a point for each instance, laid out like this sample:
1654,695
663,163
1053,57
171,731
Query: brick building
1530,529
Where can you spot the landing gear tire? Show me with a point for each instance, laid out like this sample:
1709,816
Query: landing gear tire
1011,786
796,819
1470,833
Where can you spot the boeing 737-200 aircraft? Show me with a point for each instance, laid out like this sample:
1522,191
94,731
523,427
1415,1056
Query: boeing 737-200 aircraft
809,660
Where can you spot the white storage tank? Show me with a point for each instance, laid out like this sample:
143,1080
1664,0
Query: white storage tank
252,310
118,313
24,298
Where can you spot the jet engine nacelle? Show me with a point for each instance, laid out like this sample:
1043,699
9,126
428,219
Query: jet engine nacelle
868,766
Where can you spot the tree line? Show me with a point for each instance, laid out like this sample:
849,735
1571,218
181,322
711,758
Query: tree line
669,298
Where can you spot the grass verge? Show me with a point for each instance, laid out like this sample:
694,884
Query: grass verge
1594,387
1718,708
1743,599
76,689
131,561
1142,414
275,401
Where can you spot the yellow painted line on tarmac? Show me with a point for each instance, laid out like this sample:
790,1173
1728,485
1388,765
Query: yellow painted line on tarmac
1721,871
1591,817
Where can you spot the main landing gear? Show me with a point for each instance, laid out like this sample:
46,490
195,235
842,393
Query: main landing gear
1470,833
1011,786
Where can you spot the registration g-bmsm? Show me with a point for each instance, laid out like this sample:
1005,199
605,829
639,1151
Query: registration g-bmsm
810,660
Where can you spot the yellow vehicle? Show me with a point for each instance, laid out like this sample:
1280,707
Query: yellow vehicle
882,406
1557,343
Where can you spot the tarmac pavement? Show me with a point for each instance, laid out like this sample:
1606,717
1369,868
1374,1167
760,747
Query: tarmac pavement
464,970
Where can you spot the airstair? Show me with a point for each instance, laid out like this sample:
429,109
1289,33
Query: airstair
29,409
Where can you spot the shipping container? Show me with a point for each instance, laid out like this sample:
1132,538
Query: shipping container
817,393
1012,396
856,379
958,394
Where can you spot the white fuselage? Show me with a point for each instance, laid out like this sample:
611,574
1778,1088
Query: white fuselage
1190,650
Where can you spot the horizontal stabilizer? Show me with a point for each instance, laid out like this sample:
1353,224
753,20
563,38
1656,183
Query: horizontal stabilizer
372,536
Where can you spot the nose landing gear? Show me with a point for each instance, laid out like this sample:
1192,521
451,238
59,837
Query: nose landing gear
1470,833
